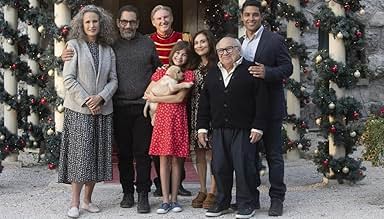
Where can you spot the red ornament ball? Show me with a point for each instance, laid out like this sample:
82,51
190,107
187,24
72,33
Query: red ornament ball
14,66
51,166
382,111
347,7
358,34
334,69
317,23
43,101
7,149
297,24
356,115
33,100
64,31
332,129
325,162
227,16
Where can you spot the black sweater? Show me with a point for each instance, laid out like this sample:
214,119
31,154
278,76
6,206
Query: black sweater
242,104
136,60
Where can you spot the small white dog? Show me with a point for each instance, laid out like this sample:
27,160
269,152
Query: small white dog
167,85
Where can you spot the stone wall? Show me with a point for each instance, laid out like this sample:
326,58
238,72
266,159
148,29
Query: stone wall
367,93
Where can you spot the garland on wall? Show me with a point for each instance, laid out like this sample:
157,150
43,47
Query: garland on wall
345,111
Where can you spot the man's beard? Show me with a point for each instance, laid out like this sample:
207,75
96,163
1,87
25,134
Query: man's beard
127,34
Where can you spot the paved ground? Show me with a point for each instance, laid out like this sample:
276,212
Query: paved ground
33,193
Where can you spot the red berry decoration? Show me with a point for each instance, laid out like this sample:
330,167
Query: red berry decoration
303,125
332,129
317,23
297,24
7,149
33,100
51,166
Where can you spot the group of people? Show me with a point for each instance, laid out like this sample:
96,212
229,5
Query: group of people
236,100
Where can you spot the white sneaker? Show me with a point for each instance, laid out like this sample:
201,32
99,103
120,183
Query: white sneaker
92,208
73,212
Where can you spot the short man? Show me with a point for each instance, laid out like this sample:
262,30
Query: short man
136,60
165,38
234,104
273,64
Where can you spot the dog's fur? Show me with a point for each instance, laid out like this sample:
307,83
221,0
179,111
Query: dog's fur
167,85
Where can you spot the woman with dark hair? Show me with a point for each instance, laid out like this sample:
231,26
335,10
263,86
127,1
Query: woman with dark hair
90,81
204,56
170,131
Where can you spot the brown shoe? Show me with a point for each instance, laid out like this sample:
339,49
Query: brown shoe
209,201
198,201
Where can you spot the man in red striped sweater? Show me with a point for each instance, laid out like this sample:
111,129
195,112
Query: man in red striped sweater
165,38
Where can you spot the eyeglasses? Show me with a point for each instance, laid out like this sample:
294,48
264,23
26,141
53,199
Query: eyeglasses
126,22
228,49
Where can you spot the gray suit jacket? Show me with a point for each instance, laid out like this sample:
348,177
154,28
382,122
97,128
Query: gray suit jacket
81,80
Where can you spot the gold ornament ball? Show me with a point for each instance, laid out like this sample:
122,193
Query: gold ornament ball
8,108
357,74
302,89
262,172
50,132
339,35
300,146
362,12
60,108
2,137
264,3
345,170
35,143
51,72
10,41
31,138
41,29
319,59
316,151
352,134
318,121
331,106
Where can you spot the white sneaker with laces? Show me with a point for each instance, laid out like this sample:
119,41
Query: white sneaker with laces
92,208
73,212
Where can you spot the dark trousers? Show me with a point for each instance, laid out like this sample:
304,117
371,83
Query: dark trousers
157,181
133,136
273,145
232,151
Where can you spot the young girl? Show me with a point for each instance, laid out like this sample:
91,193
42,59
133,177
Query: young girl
170,132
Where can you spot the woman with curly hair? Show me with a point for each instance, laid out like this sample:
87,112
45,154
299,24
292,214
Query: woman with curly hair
90,81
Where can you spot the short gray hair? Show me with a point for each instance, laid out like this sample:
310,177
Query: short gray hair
161,7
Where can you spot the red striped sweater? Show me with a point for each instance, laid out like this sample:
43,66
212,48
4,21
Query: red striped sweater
164,45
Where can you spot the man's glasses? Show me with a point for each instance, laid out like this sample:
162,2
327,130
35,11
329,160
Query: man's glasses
228,49
126,22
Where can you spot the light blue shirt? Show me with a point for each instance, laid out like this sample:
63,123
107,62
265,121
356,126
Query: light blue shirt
249,46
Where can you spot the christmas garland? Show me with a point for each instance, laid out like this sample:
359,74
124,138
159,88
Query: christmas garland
346,28
297,50
301,127
298,90
338,116
344,76
290,13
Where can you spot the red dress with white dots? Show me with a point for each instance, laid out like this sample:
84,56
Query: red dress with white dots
170,131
